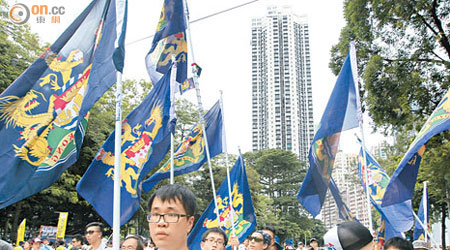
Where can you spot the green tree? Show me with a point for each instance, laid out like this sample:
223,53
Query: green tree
404,56
404,62
19,47
280,175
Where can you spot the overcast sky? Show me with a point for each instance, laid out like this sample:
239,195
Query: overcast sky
222,48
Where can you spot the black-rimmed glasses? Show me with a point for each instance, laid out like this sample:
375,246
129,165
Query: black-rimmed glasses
168,218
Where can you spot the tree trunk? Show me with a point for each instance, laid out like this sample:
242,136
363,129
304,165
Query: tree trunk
16,221
6,228
443,209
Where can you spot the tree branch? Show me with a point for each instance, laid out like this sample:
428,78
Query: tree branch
442,36
417,60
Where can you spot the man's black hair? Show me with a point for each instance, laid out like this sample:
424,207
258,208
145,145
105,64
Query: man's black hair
140,242
175,192
95,224
215,230
269,228
399,243
79,237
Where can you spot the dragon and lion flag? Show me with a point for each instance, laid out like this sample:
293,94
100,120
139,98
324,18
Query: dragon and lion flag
169,40
340,114
191,153
43,114
395,218
401,186
239,214
145,142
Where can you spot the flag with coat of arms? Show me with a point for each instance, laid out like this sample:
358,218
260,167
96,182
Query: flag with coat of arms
341,113
191,153
44,112
237,217
145,142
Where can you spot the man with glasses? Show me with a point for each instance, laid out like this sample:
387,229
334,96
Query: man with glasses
77,241
171,216
94,233
214,239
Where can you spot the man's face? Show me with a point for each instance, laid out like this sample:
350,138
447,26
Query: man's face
214,241
130,244
314,244
93,235
300,246
256,242
272,237
169,235
36,245
76,243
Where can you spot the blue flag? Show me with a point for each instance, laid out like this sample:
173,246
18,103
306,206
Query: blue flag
419,232
344,210
187,85
169,40
43,114
401,186
396,217
239,213
340,114
145,142
191,154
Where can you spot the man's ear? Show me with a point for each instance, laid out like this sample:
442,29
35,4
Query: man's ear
190,222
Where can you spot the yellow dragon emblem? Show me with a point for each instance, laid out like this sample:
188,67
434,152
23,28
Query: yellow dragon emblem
17,111
229,215
136,154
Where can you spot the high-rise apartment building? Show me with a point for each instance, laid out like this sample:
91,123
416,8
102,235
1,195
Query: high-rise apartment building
345,174
282,108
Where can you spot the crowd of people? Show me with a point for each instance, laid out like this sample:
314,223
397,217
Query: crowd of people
171,218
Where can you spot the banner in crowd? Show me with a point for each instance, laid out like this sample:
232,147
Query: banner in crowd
21,232
62,223
48,232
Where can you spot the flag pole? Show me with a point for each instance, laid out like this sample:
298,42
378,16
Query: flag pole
224,144
425,207
200,107
171,158
117,154
354,68
171,134
425,223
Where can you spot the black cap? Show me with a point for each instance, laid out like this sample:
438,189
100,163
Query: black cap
349,235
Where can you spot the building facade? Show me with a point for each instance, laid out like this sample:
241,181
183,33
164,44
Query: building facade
345,174
282,108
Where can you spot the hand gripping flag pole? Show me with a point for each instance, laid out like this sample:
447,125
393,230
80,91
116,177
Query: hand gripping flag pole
200,105
224,143
354,66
